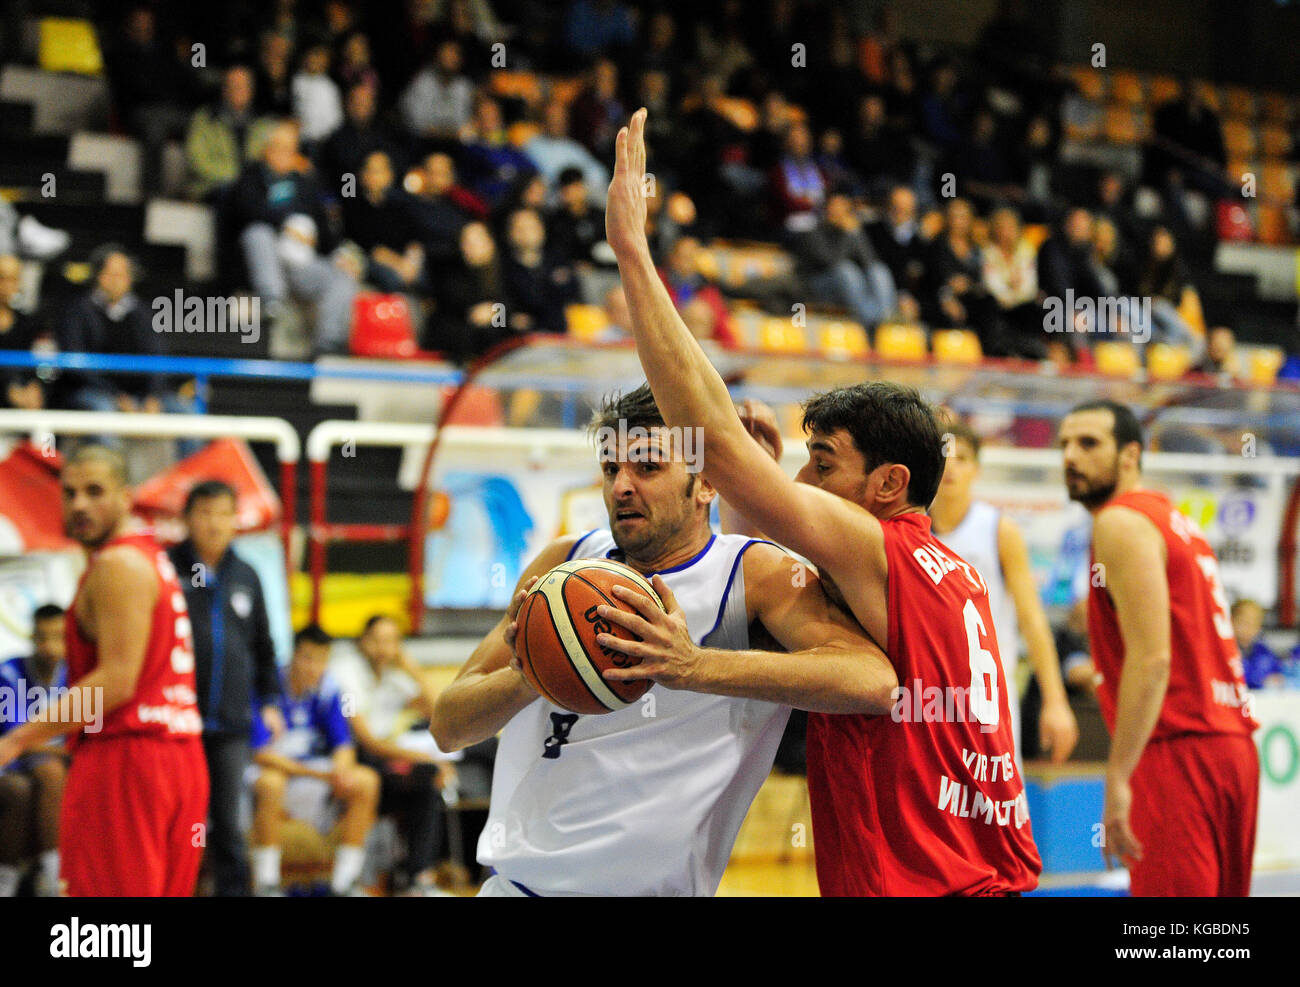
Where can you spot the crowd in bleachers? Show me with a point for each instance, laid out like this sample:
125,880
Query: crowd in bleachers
457,151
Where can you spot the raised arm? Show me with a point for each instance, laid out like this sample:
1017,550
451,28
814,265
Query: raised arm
1131,552
690,393
488,691
830,665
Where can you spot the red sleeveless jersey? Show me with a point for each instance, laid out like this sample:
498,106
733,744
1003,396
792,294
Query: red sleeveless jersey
925,800
164,703
1207,692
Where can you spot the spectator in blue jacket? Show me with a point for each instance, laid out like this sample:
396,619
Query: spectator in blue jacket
1262,667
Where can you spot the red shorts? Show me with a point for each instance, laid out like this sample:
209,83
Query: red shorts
1195,798
134,817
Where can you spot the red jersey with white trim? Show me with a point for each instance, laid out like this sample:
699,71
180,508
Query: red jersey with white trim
164,704
1207,691
925,800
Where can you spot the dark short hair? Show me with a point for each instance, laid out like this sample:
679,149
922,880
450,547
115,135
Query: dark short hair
312,634
962,431
47,611
94,452
1126,428
636,407
889,423
374,619
568,176
100,255
208,490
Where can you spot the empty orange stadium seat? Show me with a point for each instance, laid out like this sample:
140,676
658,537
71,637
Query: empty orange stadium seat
517,85
899,341
68,45
1189,310
1239,102
1275,109
779,335
1035,234
1126,87
1276,182
1209,94
585,322
1239,138
1116,359
956,346
521,132
1121,125
1162,89
1091,82
565,89
1167,362
1262,363
1274,141
840,340
1271,225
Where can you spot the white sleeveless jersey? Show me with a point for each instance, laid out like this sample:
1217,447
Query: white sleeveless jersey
975,539
646,800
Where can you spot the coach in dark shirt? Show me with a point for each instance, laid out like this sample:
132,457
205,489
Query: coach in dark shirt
234,666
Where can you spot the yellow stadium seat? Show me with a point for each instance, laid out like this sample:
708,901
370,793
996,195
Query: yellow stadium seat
1271,225
1091,82
565,90
1121,124
68,45
1275,109
1189,310
517,85
1239,102
1239,138
585,322
1167,362
1276,182
1126,87
781,335
899,341
1209,94
521,132
842,340
1116,359
956,346
747,323
1035,234
1262,363
1274,140
1162,89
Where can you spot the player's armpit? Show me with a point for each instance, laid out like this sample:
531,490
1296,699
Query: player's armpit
121,590
487,692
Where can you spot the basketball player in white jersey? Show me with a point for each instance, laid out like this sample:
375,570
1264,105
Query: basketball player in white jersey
985,537
648,800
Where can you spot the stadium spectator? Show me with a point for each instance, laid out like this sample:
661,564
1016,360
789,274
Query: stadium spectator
360,134
490,163
1111,262
354,66
110,318
592,26
1011,277
438,103
223,138
1262,668
310,772
982,164
1164,280
1186,152
691,293
720,40
1065,265
440,208
942,108
471,315
537,288
18,331
597,112
898,241
317,104
1113,204
234,667
957,296
878,150
797,184
390,704
151,86
554,152
1221,358
274,74
381,223
1033,165
574,228
31,788
836,263
283,231
834,166
662,52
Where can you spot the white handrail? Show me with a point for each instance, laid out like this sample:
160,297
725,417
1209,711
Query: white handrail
140,424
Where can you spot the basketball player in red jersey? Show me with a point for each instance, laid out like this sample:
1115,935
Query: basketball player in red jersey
136,797
1182,780
925,800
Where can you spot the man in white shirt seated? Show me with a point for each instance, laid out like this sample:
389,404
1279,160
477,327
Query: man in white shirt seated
388,702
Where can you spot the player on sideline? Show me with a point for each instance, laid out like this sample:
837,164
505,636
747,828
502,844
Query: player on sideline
993,544
926,801
648,800
136,796
1182,779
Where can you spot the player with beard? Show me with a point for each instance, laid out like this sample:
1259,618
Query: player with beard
1182,779
648,799
136,796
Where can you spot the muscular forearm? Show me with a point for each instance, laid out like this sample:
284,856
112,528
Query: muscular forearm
477,707
1043,659
1141,694
820,680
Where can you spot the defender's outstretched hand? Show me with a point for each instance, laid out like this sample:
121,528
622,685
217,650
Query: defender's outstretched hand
625,209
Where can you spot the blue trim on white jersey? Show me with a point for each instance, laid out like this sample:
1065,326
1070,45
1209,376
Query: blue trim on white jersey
731,578
574,550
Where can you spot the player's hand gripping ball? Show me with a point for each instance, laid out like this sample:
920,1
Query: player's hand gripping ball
556,641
